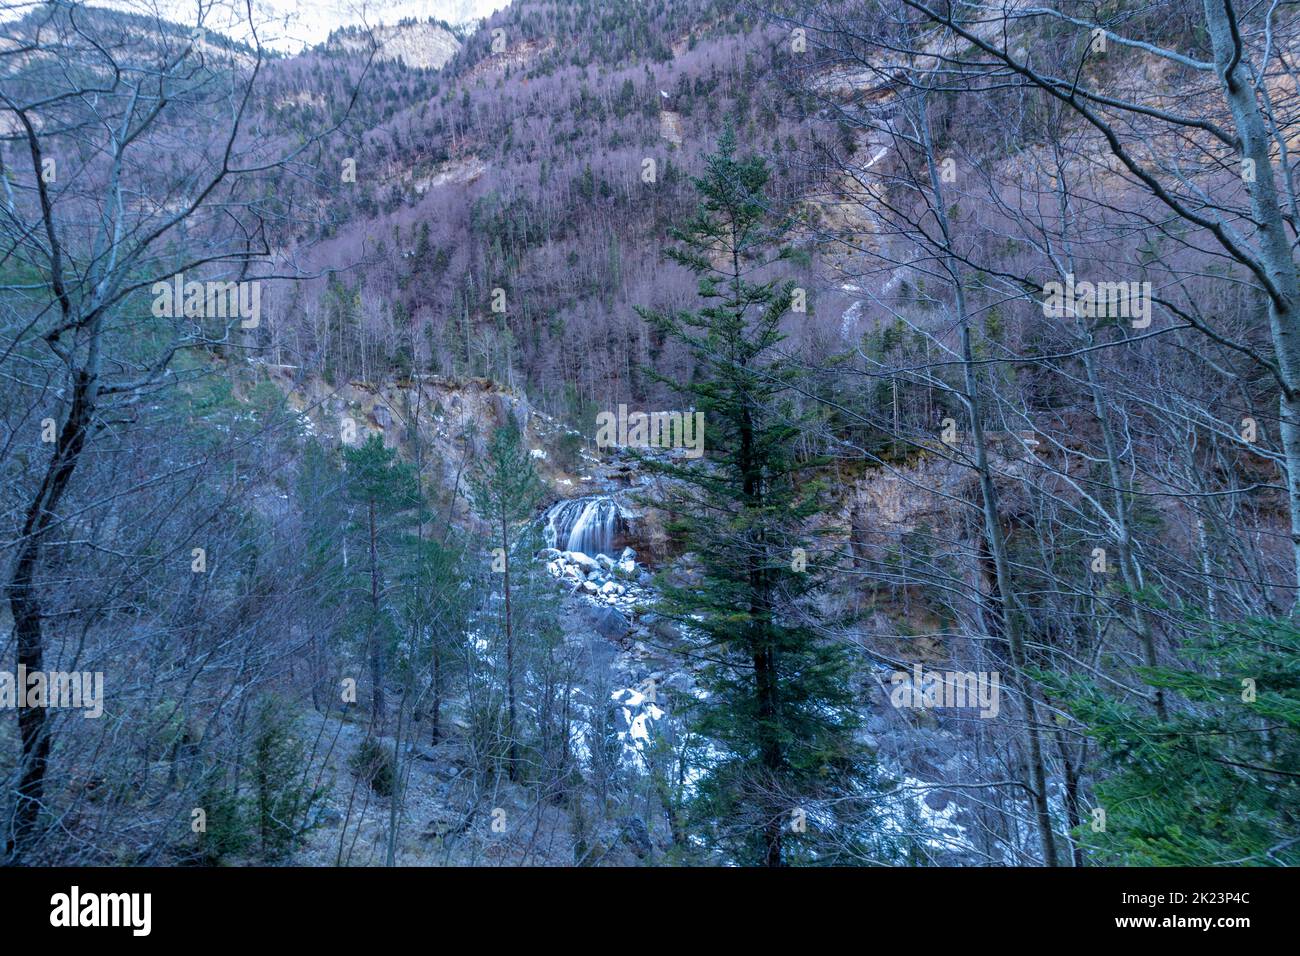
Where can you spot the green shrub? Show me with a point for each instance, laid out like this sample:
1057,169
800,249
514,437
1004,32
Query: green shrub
228,826
373,763
284,801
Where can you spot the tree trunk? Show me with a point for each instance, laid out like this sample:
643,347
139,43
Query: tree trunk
1274,246
26,609
1073,810
435,707
512,764
1009,610
774,817
1124,540
376,652
764,659
1010,613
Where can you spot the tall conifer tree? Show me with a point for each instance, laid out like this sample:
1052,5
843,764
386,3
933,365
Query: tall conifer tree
779,702
506,492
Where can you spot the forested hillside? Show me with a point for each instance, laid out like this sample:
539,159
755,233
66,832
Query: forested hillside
671,433
545,168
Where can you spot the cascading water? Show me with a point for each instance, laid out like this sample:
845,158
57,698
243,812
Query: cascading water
589,525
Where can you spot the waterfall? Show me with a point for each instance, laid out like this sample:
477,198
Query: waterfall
588,525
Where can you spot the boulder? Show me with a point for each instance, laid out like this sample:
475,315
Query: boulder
637,836
664,629
583,561
680,682
608,622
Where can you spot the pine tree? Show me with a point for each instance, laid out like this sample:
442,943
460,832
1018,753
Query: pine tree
1215,783
434,609
386,492
779,703
506,492
323,562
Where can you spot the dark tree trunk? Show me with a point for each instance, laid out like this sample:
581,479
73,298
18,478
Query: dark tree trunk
26,609
766,691
376,652
512,765
435,707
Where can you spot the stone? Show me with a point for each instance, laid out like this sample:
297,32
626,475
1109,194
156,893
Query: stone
680,682
637,836
664,629
329,817
608,622
583,561
937,799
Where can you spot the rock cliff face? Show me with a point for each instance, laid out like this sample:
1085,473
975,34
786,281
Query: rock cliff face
880,504
600,500
600,503
422,45
933,491
436,423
